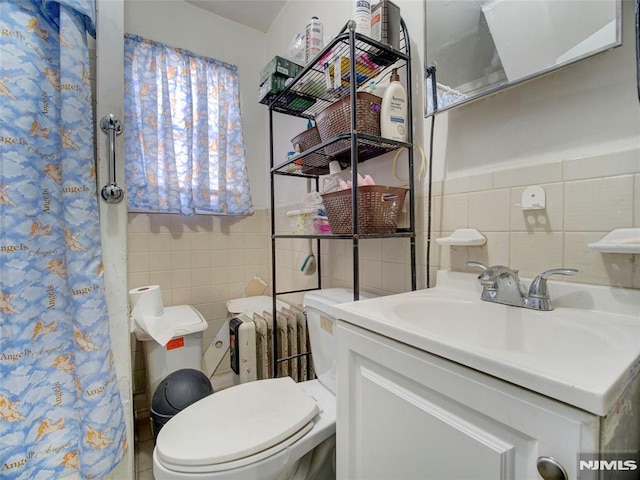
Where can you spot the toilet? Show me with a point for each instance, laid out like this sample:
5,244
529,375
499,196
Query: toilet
266,429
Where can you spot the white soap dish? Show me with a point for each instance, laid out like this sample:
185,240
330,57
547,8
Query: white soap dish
465,237
621,240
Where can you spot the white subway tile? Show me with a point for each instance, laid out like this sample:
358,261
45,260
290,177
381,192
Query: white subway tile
595,267
220,275
160,223
528,175
395,250
181,278
159,261
371,249
454,212
202,223
252,257
458,258
180,260
219,241
598,205
162,278
371,274
179,224
181,296
201,294
138,279
138,262
252,240
605,165
236,241
138,223
160,242
200,241
490,211
532,253
470,183
138,242
200,277
219,258
393,277
200,258
494,252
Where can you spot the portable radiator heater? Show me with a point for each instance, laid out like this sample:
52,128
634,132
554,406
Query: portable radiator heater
251,345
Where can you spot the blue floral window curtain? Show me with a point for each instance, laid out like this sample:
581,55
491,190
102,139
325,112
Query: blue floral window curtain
60,407
184,149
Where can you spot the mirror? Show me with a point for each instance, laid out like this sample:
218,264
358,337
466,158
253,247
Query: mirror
477,47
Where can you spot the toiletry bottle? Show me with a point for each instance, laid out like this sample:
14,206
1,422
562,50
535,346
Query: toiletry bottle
393,114
314,39
361,13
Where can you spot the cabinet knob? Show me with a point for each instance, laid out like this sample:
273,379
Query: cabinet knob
550,469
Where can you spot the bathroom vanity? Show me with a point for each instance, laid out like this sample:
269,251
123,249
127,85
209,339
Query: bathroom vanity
435,384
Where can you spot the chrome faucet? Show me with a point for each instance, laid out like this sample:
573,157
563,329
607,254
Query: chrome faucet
501,284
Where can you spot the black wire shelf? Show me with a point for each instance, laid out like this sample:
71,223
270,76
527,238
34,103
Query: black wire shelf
314,89
315,161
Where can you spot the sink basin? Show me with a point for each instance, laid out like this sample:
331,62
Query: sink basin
584,352
488,326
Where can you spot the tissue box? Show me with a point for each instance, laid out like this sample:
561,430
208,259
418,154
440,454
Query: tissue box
280,67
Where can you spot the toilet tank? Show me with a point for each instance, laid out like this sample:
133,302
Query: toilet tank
319,305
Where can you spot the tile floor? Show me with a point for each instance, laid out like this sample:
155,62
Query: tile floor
144,449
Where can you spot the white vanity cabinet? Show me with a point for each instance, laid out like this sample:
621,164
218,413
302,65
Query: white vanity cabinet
407,414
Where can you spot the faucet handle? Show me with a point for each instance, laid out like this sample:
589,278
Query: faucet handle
539,287
472,264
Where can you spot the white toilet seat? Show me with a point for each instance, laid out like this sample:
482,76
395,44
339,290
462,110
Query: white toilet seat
220,467
236,427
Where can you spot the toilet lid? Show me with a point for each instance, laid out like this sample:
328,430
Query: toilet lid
235,423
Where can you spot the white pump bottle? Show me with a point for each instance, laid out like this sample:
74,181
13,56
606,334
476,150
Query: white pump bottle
393,113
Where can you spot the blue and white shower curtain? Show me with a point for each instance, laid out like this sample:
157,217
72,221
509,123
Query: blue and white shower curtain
60,408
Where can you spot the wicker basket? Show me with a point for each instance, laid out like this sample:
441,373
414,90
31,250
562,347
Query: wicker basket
307,139
378,209
315,163
336,120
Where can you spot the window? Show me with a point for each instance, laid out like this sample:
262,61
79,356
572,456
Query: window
184,148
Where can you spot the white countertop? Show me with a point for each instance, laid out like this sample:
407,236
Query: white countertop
583,353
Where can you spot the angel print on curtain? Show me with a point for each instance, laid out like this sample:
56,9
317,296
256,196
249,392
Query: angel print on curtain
184,144
60,408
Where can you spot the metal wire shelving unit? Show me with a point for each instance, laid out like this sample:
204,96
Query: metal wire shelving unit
307,96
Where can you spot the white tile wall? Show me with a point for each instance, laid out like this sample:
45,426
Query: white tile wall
206,260
585,199
202,261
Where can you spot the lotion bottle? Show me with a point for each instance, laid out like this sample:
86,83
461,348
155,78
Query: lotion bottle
393,114
361,13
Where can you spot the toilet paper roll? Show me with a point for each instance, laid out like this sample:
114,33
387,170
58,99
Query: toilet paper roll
147,313
146,300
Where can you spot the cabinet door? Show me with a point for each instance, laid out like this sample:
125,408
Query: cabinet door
406,414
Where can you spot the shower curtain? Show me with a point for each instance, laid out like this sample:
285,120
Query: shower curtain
60,408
